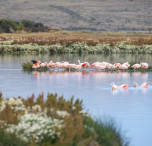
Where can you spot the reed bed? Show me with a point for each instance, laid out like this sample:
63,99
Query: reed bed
53,121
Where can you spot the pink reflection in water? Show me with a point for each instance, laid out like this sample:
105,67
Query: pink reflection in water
95,74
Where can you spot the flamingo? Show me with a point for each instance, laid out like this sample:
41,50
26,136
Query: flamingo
77,66
136,66
85,64
144,65
104,63
124,66
102,67
57,64
51,64
35,66
144,85
43,64
124,86
135,84
117,65
65,65
109,65
72,65
114,87
94,64
127,64
36,63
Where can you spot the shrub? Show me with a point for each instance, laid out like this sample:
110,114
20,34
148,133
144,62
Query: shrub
32,48
52,121
34,26
9,26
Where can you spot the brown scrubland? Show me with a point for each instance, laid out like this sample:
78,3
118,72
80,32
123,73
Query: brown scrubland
89,37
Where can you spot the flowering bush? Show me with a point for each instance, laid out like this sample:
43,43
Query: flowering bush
53,121
37,128
40,121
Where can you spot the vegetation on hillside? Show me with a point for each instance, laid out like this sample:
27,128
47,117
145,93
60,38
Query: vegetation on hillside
53,121
95,15
10,26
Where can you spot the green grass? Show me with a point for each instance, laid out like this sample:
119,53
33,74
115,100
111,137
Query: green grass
107,132
10,139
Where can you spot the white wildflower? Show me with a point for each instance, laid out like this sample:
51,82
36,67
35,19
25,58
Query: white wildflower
36,126
62,114
37,108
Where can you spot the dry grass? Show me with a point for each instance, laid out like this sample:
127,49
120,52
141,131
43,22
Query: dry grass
89,37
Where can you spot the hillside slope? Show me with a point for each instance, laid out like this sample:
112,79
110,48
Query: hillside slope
111,15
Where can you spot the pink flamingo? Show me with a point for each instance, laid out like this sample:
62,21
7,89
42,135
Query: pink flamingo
85,64
117,65
65,65
51,64
124,66
36,63
104,63
77,66
57,64
126,63
144,65
35,66
144,85
135,84
43,64
109,66
95,64
72,65
101,67
114,87
124,86
136,66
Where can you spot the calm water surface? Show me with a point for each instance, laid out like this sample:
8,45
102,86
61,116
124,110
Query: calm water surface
131,108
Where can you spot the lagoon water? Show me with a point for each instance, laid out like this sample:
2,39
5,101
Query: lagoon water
131,108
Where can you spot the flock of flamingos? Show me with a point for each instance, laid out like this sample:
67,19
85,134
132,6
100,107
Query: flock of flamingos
95,65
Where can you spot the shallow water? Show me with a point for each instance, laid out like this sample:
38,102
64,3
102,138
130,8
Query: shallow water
131,108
